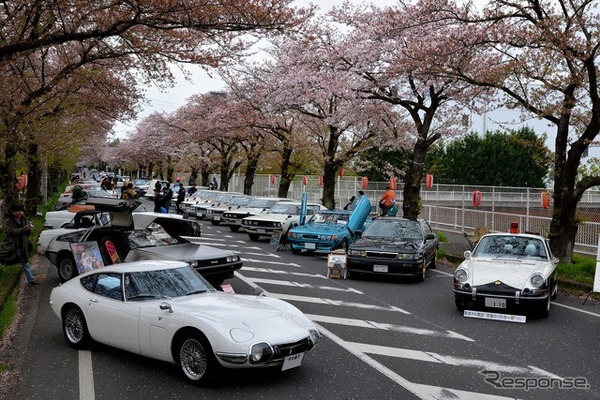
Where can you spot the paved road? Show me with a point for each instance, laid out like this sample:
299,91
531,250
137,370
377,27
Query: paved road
382,340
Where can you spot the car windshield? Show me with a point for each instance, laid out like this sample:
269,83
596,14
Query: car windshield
399,230
239,201
141,182
329,218
261,203
154,235
167,283
510,245
285,208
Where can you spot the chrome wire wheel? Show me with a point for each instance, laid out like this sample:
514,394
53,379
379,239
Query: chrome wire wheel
74,325
75,328
193,359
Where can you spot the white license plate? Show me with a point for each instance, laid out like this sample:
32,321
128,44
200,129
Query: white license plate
380,268
216,218
292,361
260,231
495,303
310,246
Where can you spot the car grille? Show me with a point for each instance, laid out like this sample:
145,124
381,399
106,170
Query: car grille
266,224
289,349
310,236
381,254
492,288
212,262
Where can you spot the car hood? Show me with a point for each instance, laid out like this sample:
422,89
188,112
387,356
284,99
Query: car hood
175,225
259,314
248,210
181,252
512,272
273,217
320,229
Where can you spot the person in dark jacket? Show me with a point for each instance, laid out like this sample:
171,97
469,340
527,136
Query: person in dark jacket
17,228
180,197
159,201
168,193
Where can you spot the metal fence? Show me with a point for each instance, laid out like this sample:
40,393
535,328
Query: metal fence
451,207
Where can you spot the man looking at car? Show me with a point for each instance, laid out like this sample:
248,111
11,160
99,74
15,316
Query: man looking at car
17,229
387,201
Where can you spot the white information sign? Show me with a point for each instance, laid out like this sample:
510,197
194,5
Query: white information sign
495,316
596,287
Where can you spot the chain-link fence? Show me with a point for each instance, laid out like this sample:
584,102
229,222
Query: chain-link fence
456,208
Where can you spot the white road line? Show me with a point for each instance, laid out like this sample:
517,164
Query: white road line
576,309
304,285
425,392
387,327
341,303
284,263
441,272
280,272
427,356
86,376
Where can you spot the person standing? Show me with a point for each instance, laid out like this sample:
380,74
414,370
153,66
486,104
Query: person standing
387,201
168,193
17,229
180,197
159,201
215,183
192,189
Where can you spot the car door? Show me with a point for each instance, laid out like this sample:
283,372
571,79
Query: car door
109,318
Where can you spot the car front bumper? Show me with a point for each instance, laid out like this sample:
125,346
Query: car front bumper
385,267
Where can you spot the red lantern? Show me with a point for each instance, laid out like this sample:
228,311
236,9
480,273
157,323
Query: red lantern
364,182
305,180
320,180
514,227
273,179
476,198
428,181
393,183
545,199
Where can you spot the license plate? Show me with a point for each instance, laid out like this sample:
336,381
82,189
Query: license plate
310,246
495,303
380,268
292,361
260,231
216,218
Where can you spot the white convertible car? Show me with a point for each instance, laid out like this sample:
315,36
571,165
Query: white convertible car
167,311
507,271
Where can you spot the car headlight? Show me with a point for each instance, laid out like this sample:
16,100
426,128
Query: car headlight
537,280
295,235
410,256
232,258
261,353
461,275
325,238
314,336
354,252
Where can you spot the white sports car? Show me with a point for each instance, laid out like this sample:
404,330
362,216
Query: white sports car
507,270
167,311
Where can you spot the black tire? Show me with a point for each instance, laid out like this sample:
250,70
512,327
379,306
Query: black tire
234,228
75,328
212,221
195,358
432,264
542,310
296,251
345,245
423,274
554,293
461,305
67,268
254,237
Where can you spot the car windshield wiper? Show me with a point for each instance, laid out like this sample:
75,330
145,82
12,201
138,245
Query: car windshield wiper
142,296
196,292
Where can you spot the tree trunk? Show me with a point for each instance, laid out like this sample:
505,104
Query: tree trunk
329,173
286,175
8,174
251,168
33,197
411,201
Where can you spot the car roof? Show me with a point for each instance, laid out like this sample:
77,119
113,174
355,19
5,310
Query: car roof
140,266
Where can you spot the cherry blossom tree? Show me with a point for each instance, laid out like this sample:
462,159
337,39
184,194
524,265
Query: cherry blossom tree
394,50
543,57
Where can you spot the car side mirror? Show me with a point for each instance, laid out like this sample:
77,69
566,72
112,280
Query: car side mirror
165,306
467,254
429,236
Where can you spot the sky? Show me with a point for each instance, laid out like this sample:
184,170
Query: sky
201,82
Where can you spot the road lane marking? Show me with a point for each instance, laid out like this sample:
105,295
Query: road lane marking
577,309
386,327
282,263
281,272
339,303
425,392
305,285
86,376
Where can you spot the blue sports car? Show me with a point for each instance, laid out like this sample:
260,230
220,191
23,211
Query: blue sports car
328,230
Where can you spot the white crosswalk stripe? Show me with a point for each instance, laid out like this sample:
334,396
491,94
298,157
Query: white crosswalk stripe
304,285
